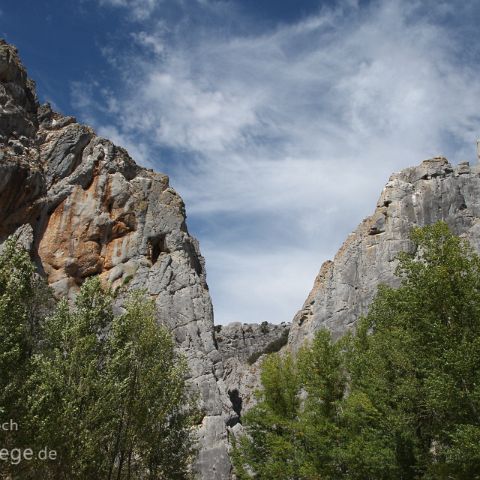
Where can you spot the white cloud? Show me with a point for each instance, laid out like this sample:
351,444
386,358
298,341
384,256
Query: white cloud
150,41
238,275
139,9
297,127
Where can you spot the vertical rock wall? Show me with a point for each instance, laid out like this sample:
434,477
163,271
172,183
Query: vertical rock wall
344,288
90,210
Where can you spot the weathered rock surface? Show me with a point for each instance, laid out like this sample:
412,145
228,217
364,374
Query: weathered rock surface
84,208
242,381
344,288
244,340
242,347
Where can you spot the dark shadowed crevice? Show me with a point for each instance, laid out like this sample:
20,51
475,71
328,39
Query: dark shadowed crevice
236,405
156,246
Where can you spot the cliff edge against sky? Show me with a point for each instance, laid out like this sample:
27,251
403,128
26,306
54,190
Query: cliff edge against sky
83,207
433,191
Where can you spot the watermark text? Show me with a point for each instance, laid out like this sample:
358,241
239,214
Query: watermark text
15,456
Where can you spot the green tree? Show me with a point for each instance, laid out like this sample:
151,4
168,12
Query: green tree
24,299
145,379
399,398
109,393
272,447
67,384
323,379
420,365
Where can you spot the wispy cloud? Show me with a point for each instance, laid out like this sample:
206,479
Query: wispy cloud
280,141
139,9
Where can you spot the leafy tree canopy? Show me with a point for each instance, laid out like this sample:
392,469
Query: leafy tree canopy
106,393
397,399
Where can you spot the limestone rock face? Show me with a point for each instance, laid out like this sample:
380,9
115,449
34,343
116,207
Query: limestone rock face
85,208
344,288
244,340
242,347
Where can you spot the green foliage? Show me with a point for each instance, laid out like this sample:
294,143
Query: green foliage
280,385
323,375
16,329
146,380
400,398
272,444
23,300
106,392
68,382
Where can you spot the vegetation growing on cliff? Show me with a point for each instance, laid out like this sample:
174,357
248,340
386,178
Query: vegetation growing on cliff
105,393
399,399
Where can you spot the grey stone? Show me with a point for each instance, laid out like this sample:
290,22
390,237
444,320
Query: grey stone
242,348
243,340
84,207
23,238
345,287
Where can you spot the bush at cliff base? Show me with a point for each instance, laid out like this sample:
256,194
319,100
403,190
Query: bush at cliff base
85,394
397,399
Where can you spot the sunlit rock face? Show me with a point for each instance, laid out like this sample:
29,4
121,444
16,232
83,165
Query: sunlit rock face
435,190
84,208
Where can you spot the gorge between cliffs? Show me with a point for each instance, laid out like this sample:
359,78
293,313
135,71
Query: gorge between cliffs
82,207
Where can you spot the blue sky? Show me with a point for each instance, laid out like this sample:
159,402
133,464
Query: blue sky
278,122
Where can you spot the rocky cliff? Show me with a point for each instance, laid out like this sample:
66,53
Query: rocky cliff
242,347
248,341
344,288
83,207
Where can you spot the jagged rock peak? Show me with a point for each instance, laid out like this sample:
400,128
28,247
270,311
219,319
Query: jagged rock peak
84,208
17,94
432,191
